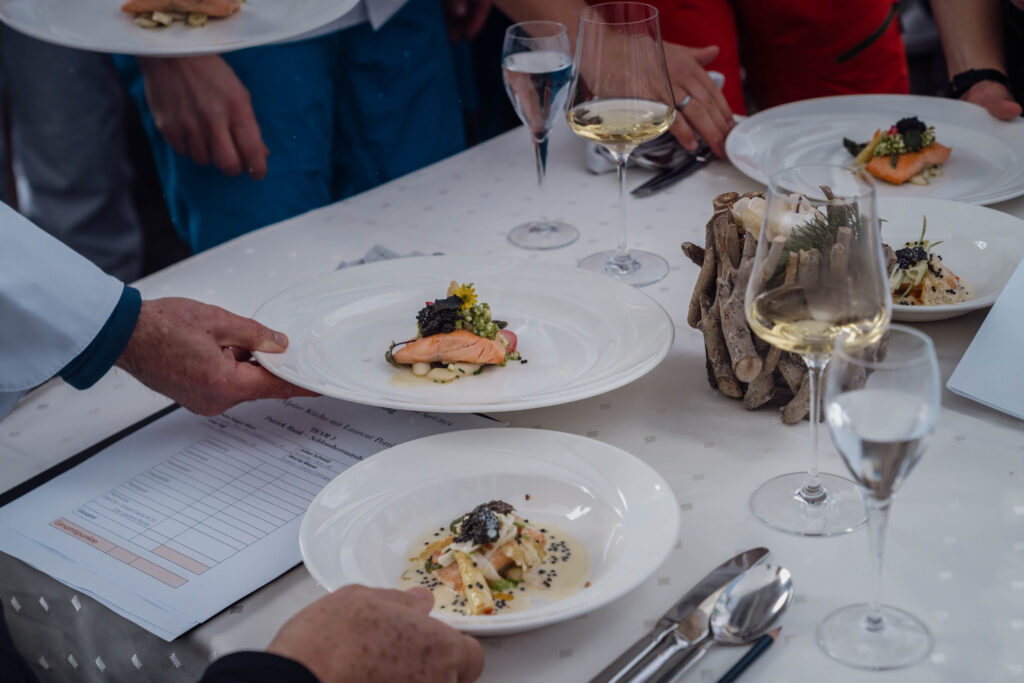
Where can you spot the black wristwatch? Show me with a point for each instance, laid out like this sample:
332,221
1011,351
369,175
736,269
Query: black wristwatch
965,80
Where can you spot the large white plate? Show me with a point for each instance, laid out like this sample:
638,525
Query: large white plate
362,525
982,246
100,25
986,166
581,333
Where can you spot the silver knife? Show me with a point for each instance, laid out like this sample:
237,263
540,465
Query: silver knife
671,176
669,642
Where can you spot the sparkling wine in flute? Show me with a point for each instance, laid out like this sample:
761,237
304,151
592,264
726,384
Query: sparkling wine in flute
537,84
808,321
620,124
880,434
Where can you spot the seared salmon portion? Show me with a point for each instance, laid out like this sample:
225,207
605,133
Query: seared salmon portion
213,8
908,165
460,346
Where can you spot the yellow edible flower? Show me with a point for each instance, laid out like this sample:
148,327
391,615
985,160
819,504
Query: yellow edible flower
467,294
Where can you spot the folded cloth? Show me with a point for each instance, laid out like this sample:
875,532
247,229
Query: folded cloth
379,253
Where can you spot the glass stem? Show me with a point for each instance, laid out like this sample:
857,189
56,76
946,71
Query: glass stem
812,492
622,260
540,148
878,522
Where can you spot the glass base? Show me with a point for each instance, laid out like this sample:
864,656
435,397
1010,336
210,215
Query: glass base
637,268
778,503
898,640
543,235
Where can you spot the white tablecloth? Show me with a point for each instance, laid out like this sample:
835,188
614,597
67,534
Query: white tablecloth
956,544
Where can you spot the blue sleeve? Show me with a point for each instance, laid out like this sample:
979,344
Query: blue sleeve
104,350
257,667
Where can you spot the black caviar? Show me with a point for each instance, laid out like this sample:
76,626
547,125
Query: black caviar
481,525
439,316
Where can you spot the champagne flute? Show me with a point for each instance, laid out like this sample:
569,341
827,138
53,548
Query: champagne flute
621,97
537,69
880,411
818,272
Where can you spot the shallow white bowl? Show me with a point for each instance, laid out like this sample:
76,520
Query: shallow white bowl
982,246
583,333
362,525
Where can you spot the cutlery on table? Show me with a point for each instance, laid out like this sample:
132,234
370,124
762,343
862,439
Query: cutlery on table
747,608
670,176
684,624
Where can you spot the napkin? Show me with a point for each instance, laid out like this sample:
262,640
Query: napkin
991,370
379,253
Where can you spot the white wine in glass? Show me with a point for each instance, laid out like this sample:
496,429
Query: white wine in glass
537,70
881,405
621,97
818,273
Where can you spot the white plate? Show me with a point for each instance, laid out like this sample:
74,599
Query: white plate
362,525
581,333
100,25
986,166
982,246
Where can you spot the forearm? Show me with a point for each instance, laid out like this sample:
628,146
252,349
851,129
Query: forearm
971,32
566,12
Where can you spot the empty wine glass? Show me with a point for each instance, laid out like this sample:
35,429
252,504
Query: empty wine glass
621,97
818,272
537,69
881,404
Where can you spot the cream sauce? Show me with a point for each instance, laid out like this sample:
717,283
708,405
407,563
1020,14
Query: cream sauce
565,571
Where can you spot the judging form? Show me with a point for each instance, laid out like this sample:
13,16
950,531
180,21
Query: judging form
189,514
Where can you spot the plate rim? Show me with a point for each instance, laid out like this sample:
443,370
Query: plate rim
755,173
588,388
335,12
518,622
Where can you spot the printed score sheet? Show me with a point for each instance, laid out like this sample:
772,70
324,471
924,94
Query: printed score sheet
184,517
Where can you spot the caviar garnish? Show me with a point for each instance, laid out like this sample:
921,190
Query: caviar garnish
439,316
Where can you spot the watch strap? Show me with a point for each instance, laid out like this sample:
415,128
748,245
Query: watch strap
965,80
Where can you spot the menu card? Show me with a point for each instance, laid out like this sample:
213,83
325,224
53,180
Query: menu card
990,371
187,515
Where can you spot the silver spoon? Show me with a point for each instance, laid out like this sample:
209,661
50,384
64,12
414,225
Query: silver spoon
747,609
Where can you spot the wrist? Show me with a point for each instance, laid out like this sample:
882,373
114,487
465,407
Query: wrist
963,81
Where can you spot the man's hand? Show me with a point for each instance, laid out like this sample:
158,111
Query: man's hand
465,18
707,114
364,635
995,98
204,112
198,355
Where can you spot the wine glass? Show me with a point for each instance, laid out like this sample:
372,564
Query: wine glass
621,97
818,272
881,404
537,68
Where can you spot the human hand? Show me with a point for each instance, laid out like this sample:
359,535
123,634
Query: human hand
707,114
995,98
465,18
198,355
365,635
204,112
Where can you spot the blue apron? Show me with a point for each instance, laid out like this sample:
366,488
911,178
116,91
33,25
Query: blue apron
340,114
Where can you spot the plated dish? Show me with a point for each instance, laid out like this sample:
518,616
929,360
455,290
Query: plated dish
986,166
362,525
456,338
101,26
586,334
492,560
981,246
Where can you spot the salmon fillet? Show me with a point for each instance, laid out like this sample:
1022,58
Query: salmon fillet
908,165
213,8
460,346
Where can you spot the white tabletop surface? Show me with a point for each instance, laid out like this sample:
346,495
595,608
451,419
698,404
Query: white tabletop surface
955,554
